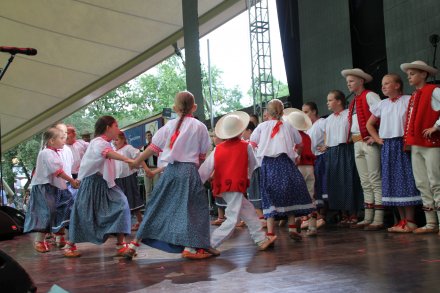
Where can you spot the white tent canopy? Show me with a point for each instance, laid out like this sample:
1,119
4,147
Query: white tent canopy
85,49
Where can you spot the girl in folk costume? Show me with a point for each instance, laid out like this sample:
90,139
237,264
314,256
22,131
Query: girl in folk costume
398,184
305,161
366,151
232,161
65,197
317,136
126,178
100,207
176,218
422,134
343,186
282,187
78,148
48,180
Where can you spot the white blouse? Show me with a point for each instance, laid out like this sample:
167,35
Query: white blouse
317,135
122,168
208,167
372,99
336,128
95,161
78,149
67,158
191,145
392,116
282,143
49,166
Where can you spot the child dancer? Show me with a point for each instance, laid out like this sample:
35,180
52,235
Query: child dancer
176,218
422,133
48,179
219,202
398,184
366,152
100,207
301,122
282,187
344,191
126,178
232,161
317,136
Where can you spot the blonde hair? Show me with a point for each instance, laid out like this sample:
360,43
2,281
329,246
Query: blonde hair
51,133
397,79
183,102
275,109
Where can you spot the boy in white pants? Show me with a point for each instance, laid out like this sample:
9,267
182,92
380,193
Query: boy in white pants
232,161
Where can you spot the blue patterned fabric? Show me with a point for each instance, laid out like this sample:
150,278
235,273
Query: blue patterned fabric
98,211
320,180
398,185
343,183
64,202
283,189
41,213
129,186
177,214
254,194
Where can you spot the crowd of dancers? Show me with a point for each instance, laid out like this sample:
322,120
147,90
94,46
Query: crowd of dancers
374,154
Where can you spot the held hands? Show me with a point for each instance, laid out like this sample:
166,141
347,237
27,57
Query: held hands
369,140
75,183
427,132
322,148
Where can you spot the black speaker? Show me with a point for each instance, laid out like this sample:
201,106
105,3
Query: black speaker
8,227
16,215
13,278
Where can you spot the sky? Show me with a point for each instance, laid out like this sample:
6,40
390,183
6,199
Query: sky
230,51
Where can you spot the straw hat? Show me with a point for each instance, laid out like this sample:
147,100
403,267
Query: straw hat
232,125
419,65
357,72
299,120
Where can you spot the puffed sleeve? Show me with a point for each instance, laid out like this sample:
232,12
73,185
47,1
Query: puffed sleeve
255,136
376,109
207,167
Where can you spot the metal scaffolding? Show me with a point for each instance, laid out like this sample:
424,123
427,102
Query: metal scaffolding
261,60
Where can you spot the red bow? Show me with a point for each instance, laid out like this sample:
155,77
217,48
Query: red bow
173,138
276,128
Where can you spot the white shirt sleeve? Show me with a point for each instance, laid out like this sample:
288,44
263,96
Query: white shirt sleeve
375,109
207,167
255,136
435,103
372,98
252,161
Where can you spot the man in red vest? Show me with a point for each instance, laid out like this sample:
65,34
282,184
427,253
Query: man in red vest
422,134
366,151
232,161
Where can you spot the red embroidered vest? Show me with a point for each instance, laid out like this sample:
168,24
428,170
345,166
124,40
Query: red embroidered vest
307,157
421,116
362,111
231,167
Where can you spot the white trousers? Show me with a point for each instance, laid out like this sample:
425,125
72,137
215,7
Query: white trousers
238,208
426,168
308,174
367,158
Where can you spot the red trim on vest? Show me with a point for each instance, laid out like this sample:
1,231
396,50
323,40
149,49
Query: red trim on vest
363,114
421,117
307,157
231,167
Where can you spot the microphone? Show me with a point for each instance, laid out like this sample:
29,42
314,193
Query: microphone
15,50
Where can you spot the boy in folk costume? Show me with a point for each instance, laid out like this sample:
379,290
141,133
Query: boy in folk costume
367,153
232,161
422,133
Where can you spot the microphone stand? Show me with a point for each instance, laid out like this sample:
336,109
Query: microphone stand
2,190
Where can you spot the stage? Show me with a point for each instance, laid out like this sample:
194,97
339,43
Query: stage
338,260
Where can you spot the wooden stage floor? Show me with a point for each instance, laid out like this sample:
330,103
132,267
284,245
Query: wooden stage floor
338,260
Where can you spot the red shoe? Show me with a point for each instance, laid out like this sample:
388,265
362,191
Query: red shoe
266,243
200,254
127,252
71,252
41,246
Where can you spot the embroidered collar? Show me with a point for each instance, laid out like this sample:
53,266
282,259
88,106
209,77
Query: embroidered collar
105,137
393,100
54,149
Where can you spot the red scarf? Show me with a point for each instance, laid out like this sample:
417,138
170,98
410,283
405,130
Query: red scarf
276,128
